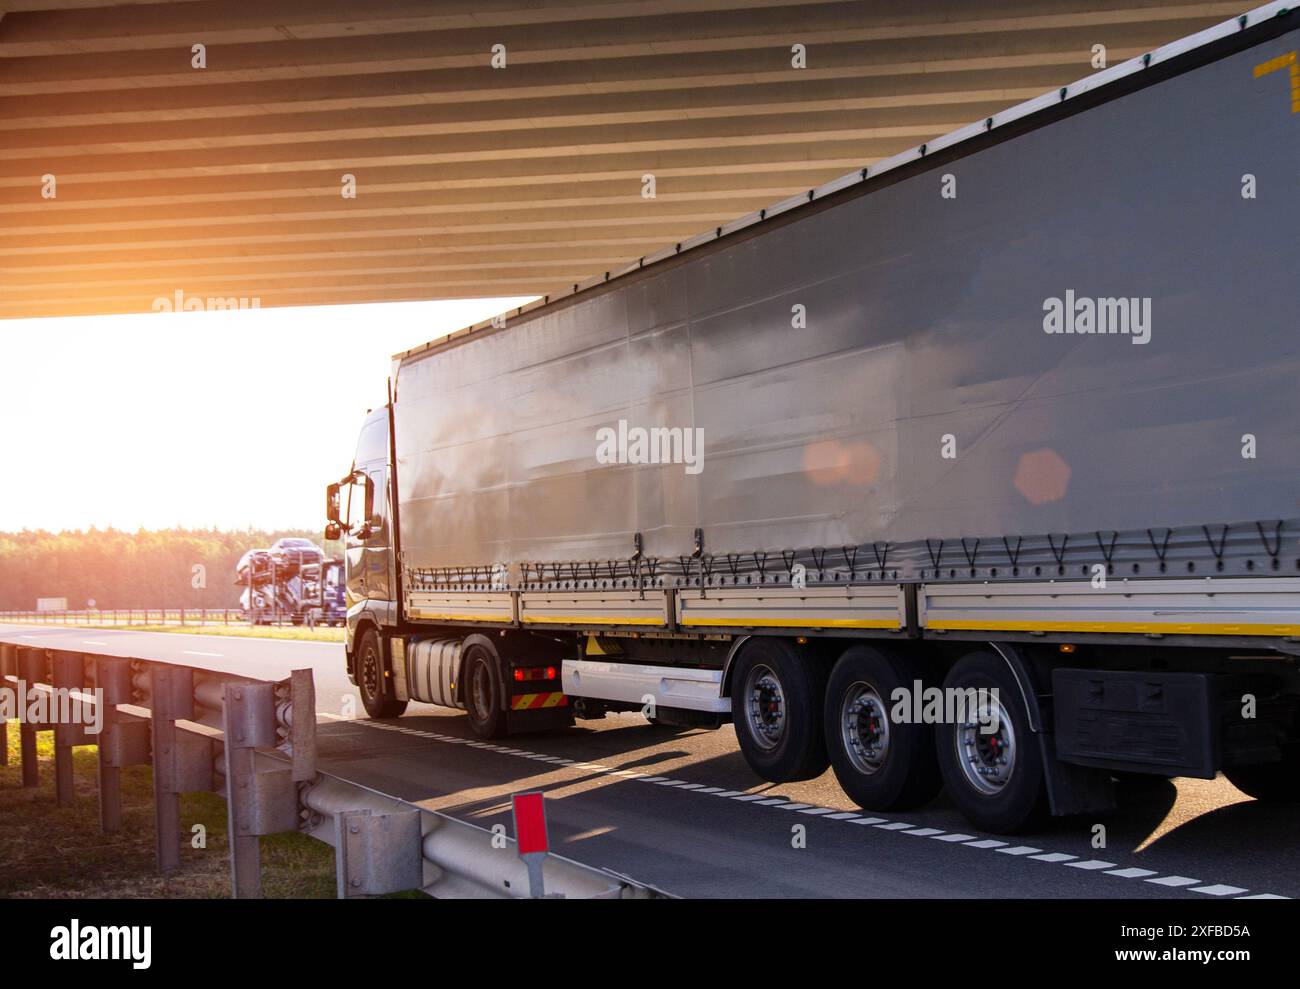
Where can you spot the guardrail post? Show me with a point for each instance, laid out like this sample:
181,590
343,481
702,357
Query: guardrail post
172,698
69,670
8,667
248,720
31,670
113,677
302,724
376,854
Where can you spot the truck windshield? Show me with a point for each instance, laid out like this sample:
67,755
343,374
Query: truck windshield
373,442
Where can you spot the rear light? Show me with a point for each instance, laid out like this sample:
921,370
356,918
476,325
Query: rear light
524,673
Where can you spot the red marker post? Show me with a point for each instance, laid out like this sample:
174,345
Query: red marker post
530,834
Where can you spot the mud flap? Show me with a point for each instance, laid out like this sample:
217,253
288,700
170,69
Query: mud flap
1074,789
541,719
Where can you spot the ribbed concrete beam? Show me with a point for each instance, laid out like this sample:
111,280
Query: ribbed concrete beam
226,181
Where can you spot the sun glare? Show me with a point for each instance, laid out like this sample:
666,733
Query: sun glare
226,419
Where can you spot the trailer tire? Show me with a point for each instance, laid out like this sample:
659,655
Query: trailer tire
776,705
880,764
371,682
996,781
1276,782
483,691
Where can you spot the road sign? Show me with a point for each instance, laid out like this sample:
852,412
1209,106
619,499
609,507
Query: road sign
530,835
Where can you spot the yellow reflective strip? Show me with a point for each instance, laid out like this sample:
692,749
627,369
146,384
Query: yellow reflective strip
458,616
553,700
796,622
521,701
591,620
1167,628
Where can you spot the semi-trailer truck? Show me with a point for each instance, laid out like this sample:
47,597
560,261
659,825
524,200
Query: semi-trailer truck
1009,417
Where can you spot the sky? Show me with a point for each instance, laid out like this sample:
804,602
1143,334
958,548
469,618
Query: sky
198,419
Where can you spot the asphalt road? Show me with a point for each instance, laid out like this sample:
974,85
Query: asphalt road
682,811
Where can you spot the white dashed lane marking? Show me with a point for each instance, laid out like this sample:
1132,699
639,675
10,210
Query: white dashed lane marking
1174,881
851,817
1218,889
1131,873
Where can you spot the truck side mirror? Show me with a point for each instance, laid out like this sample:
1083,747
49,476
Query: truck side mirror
332,507
333,530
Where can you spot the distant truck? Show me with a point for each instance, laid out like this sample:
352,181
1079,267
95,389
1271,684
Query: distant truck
292,581
1008,420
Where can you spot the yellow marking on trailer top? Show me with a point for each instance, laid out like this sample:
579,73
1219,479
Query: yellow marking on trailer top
1166,628
1287,61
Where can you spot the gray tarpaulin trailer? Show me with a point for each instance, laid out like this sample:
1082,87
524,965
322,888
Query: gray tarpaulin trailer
1012,415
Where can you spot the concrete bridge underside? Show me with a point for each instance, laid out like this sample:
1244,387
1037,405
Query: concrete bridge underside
471,180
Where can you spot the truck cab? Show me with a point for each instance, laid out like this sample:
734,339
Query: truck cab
359,511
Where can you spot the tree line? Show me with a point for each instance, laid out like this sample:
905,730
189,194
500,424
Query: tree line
169,568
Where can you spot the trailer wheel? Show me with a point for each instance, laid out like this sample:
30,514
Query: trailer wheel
1277,782
776,705
370,679
996,779
881,765
483,692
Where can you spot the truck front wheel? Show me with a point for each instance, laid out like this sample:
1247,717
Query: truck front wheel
989,758
880,763
371,680
776,705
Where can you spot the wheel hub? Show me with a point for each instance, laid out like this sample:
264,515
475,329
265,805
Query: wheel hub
864,728
370,673
766,707
987,760
481,690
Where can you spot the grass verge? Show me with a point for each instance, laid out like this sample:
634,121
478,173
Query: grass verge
54,852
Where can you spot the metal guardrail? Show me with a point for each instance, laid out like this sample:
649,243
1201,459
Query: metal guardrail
384,845
254,742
